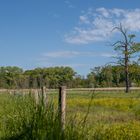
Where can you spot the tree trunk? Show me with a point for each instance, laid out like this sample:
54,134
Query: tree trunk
126,70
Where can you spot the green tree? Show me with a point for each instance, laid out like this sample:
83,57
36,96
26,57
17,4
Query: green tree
10,75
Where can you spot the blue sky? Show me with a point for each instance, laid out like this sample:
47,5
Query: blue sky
76,33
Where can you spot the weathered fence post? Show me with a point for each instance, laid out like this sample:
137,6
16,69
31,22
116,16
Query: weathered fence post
36,96
62,105
44,95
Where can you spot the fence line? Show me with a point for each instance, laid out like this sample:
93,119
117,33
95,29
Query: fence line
62,96
72,89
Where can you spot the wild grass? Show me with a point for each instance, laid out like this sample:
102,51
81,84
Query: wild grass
108,116
23,119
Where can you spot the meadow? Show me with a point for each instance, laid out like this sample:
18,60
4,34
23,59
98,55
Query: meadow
89,115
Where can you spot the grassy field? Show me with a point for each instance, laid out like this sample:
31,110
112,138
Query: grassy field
90,115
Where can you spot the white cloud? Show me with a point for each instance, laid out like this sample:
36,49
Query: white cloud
132,20
60,54
103,12
71,59
70,54
96,25
84,19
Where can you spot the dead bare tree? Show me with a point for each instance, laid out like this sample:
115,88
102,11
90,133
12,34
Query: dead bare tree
126,49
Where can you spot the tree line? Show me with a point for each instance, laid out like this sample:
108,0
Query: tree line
114,76
53,77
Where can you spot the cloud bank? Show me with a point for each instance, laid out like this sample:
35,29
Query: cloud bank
71,54
96,25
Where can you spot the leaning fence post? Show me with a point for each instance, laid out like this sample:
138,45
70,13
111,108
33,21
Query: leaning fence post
62,105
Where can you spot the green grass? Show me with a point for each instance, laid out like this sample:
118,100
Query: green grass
99,116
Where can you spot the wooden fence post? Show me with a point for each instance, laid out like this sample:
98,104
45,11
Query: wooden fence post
44,95
36,96
62,106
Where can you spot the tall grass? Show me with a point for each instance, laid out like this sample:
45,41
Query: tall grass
101,117
31,121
